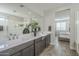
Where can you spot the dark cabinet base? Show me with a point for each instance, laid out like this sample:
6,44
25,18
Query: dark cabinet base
47,40
41,44
39,47
29,51
17,54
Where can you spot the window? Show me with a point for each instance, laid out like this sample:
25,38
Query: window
2,19
62,21
3,23
62,25
57,26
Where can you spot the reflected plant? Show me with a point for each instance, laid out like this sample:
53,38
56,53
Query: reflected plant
26,30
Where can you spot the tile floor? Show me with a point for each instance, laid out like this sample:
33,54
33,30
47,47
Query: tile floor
61,49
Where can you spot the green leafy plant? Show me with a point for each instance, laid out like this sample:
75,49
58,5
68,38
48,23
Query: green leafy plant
26,30
34,28
34,25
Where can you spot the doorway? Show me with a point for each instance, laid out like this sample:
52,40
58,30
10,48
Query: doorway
62,28
62,25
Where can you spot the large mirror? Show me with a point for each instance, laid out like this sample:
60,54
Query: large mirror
11,25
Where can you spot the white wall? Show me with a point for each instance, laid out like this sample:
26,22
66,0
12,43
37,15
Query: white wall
76,13
49,21
77,30
72,29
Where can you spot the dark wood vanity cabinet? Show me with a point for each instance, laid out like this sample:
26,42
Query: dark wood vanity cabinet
29,51
47,38
26,49
17,54
39,46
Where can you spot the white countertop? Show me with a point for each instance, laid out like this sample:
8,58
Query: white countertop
22,39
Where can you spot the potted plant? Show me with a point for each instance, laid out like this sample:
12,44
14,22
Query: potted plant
34,26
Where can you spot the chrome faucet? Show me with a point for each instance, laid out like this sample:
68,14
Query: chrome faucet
13,36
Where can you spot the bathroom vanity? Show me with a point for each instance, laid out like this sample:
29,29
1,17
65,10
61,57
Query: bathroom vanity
26,47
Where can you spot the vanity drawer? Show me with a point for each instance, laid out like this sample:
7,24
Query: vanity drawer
29,51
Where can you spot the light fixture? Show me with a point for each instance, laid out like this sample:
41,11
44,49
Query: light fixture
21,5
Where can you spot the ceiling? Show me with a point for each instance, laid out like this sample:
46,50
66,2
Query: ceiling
65,14
23,9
